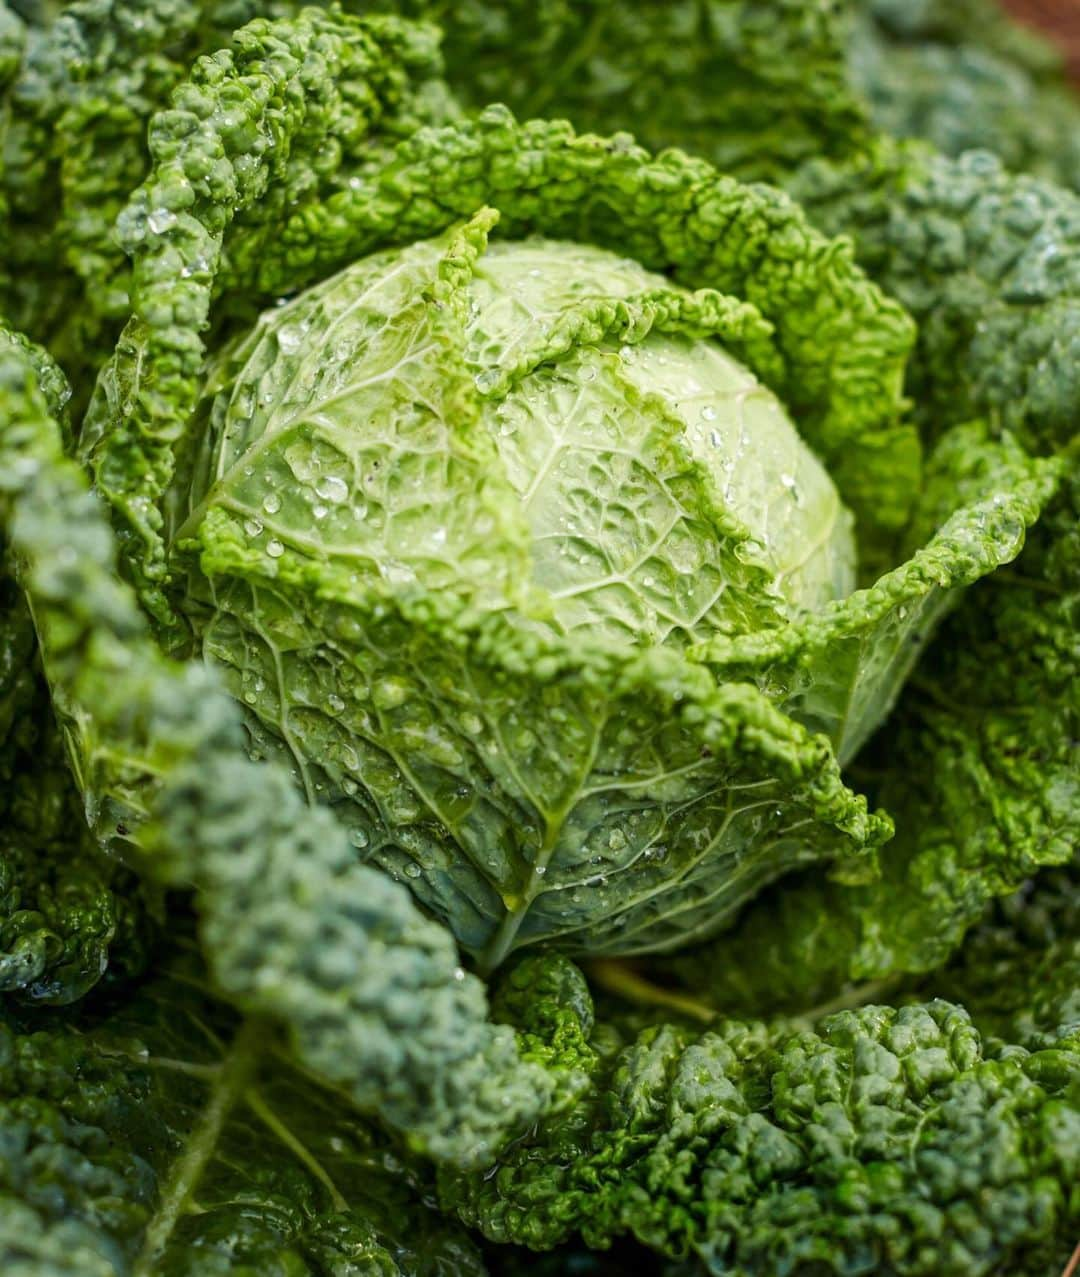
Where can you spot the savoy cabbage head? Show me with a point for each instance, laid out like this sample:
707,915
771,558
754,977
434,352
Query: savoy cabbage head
538,560
454,518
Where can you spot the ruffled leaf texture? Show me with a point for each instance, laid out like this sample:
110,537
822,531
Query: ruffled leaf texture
155,1133
964,76
77,88
983,773
988,263
889,1139
756,88
840,375
759,88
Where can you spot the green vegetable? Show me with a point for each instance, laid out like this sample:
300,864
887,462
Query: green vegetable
984,763
759,88
964,76
76,91
755,88
433,545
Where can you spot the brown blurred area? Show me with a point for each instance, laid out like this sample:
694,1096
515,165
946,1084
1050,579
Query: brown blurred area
1059,19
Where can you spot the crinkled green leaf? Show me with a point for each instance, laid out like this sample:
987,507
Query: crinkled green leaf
885,1140
839,671
1019,969
962,75
84,84
838,374
753,87
988,263
982,772
158,1135
253,131
431,612
67,911
842,344
70,915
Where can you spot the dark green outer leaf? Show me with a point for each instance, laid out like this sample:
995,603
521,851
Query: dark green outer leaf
962,75
886,1141
156,1137
989,265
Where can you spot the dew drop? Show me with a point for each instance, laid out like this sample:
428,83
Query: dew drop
708,413
334,703
161,219
412,870
274,548
271,503
358,836
333,489
253,527
290,339
389,693
303,461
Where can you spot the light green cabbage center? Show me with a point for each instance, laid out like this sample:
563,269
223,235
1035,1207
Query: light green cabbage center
561,425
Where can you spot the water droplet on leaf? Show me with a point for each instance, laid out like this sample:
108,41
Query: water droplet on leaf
290,339
333,489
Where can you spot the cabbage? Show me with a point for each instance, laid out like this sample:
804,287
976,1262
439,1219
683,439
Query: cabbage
477,531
